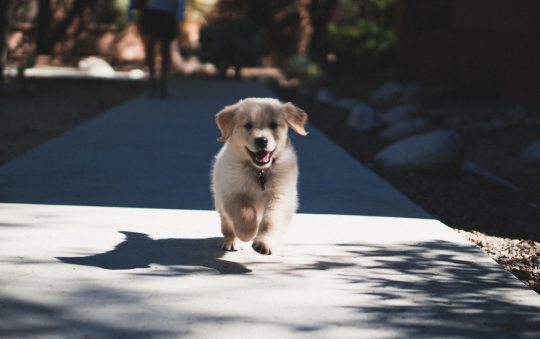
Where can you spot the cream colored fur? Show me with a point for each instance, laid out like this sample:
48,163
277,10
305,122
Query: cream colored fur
250,210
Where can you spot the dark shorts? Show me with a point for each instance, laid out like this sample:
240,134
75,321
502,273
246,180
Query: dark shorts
157,24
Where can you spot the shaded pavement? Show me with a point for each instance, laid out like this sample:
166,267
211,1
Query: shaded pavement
157,154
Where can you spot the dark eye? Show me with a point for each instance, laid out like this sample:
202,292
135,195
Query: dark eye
248,126
273,125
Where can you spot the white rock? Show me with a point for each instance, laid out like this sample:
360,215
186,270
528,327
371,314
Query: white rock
439,150
136,74
96,67
405,128
398,113
324,95
454,121
531,152
362,118
209,69
388,92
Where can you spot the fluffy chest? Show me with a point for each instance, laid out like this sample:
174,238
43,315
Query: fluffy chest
232,176
249,181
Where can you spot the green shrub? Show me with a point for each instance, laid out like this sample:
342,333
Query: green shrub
231,42
111,12
358,47
300,66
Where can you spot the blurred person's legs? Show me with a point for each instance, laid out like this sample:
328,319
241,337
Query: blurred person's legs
158,27
150,46
165,66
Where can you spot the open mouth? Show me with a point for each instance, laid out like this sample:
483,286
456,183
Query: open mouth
261,157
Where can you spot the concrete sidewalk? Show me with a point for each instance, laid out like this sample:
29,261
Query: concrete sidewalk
157,154
107,231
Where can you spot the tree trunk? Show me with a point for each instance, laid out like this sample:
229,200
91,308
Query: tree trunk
321,12
305,27
56,33
43,25
3,33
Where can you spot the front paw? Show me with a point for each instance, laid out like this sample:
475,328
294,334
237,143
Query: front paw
231,245
262,246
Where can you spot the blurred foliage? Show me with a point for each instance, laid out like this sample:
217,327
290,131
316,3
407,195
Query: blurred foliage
231,42
70,29
23,11
360,41
354,9
357,35
196,10
111,12
301,66
275,31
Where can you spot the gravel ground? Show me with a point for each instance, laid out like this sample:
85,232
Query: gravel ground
521,257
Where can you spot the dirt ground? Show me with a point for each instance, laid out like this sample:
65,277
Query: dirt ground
503,222
45,108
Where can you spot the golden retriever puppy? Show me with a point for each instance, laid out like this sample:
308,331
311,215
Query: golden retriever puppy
254,175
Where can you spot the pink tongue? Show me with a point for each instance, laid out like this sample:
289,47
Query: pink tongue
265,157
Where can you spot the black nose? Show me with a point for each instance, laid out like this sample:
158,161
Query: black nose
261,142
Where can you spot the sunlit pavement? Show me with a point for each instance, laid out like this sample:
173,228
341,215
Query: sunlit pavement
107,231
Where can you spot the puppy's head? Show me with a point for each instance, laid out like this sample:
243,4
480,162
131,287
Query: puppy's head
256,128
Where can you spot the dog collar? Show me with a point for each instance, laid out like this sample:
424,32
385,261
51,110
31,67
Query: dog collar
261,178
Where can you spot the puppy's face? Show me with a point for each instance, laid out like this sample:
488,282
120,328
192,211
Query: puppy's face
256,128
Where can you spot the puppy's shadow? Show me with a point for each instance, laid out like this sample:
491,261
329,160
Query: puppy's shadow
138,250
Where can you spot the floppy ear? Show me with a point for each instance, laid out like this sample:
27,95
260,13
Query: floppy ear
296,118
225,121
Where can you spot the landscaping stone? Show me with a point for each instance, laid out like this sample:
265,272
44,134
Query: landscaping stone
440,150
362,118
489,125
388,92
518,114
453,121
474,168
411,92
97,67
438,114
136,73
406,128
531,152
325,96
400,112
346,103
304,92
